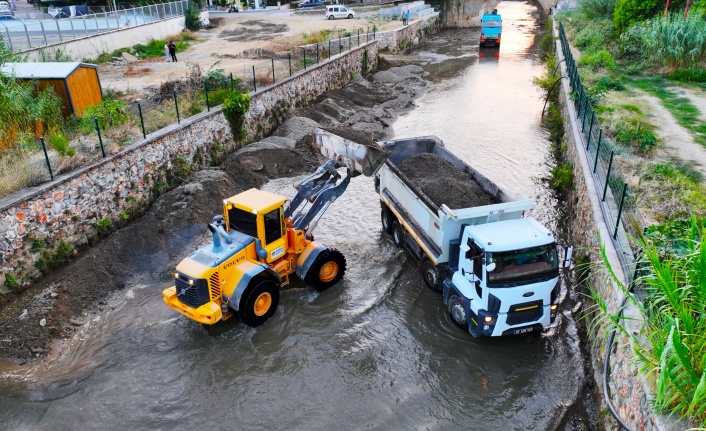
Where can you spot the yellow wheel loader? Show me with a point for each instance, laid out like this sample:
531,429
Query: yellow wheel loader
262,238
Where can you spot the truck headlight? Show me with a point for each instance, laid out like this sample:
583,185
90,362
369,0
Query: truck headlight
191,282
488,319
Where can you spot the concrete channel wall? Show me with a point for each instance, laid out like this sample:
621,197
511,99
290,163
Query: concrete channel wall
37,223
630,392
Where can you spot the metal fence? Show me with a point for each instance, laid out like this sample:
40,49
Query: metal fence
39,29
618,203
31,164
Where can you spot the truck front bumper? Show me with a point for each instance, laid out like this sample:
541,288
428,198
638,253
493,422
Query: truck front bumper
208,314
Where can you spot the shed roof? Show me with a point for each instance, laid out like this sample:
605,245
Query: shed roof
42,70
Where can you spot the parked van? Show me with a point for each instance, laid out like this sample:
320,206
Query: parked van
333,12
71,11
5,8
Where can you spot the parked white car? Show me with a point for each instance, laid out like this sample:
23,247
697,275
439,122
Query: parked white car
5,8
333,12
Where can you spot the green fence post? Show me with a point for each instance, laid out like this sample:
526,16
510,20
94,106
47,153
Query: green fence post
607,176
254,81
46,157
205,90
620,210
358,31
142,120
231,82
289,56
100,139
176,105
590,129
349,41
329,48
340,47
317,52
374,31
598,150
304,49
273,70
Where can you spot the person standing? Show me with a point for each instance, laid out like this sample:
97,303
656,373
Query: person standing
166,52
172,51
406,18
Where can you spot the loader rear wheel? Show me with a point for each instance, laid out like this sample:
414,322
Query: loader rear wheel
386,218
328,269
259,303
397,233
431,275
457,312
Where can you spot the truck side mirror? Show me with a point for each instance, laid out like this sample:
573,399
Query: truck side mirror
567,256
490,267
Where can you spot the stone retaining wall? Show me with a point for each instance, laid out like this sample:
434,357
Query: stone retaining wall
629,390
403,38
40,223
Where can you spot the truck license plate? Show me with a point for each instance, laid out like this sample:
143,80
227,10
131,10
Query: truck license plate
523,330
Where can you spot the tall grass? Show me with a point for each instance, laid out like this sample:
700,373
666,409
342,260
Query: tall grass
673,41
671,350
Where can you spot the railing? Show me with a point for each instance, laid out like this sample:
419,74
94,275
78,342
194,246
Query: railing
24,34
618,204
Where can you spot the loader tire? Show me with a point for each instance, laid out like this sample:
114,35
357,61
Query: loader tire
457,312
431,275
258,303
328,269
386,218
397,233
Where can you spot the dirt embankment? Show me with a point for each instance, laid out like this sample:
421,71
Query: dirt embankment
53,307
444,183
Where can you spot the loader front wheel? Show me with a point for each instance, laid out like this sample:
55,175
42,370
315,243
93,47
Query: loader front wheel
259,303
431,275
397,233
386,218
328,269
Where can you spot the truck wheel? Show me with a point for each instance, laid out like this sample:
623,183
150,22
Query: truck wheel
431,275
387,219
397,233
327,270
457,312
257,305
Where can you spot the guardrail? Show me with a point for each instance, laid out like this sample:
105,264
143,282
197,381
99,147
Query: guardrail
22,35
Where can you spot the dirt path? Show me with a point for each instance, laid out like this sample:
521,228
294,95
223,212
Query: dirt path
677,140
240,41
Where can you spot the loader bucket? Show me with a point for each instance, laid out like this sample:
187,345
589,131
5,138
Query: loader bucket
359,158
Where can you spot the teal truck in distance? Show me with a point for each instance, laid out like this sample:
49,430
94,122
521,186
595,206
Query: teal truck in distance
491,29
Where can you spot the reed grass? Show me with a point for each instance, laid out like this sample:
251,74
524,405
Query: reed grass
671,349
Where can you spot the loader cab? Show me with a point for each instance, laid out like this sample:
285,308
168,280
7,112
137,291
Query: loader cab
259,214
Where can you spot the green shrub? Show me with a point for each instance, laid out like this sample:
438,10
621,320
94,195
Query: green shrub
631,12
636,134
217,97
688,75
604,84
562,176
11,282
235,107
591,38
597,60
110,113
191,19
60,144
598,8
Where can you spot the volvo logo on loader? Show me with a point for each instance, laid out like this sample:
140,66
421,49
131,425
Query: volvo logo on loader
237,260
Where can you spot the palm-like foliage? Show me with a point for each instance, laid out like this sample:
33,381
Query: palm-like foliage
673,277
673,41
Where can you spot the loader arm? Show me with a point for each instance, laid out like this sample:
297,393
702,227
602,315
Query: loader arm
326,184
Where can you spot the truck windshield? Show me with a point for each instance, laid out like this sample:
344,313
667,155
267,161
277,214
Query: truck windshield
524,265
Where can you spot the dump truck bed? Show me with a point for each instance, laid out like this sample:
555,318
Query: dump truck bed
434,226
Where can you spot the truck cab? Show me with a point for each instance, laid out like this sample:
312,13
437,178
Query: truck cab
507,279
491,29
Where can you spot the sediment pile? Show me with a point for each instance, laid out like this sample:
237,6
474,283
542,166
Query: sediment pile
444,183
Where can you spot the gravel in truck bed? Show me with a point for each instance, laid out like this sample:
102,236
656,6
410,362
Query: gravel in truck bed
444,183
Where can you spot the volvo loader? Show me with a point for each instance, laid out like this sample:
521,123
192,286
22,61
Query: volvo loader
261,239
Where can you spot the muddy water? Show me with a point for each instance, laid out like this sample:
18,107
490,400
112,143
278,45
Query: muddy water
376,351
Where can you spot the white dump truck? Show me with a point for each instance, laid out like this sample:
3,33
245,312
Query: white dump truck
498,271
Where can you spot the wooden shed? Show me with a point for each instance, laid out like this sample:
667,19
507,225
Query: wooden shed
77,84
